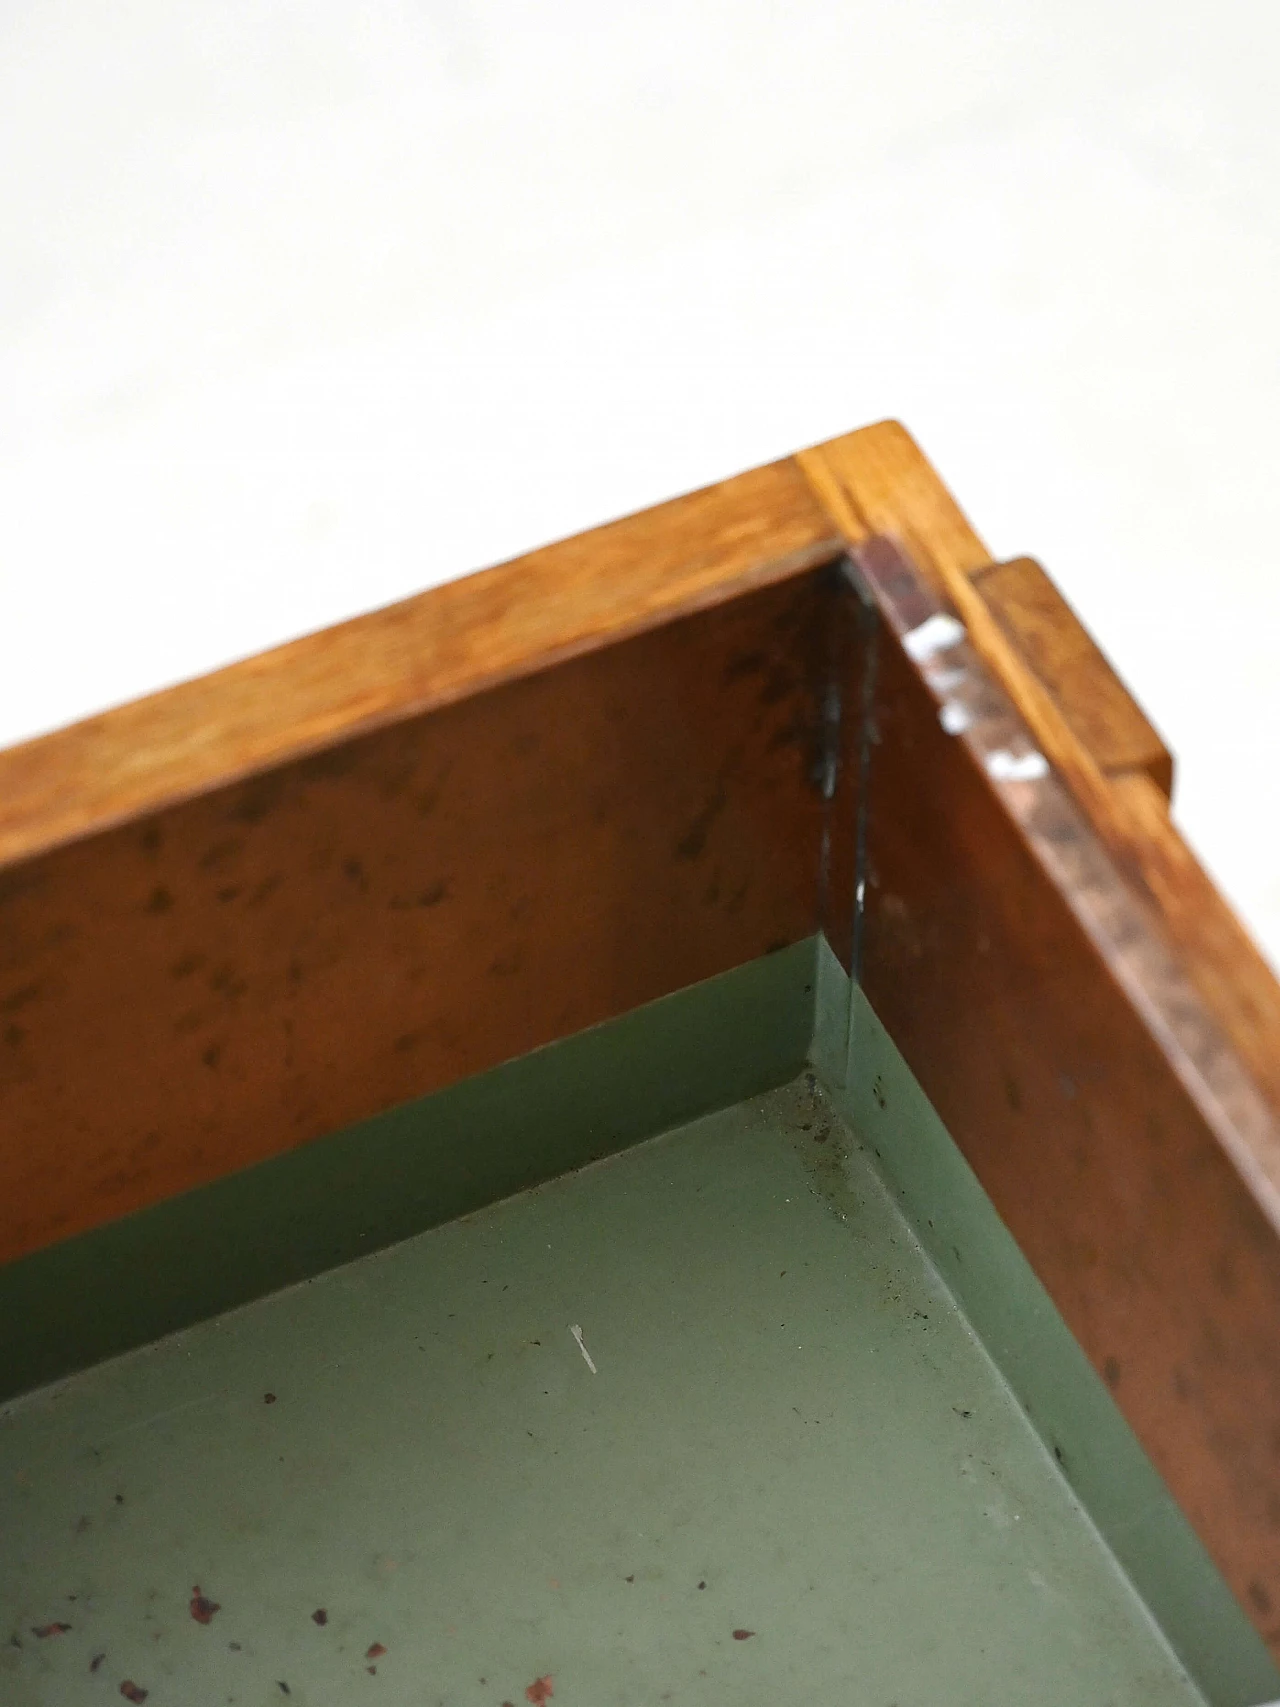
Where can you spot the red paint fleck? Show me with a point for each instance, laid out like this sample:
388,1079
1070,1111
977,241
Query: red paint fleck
539,1691
319,1616
374,1651
202,1608
132,1691
43,1630
742,1635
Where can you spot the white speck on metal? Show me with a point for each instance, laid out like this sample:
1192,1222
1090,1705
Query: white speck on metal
861,890
1005,766
938,633
576,1331
954,717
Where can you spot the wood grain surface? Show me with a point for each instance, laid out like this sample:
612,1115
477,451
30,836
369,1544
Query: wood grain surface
227,977
876,481
425,652
1055,646
1038,1001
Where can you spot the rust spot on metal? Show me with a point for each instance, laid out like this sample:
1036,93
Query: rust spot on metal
743,1635
539,1691
375,1651
202,1608
319,1616
132,1691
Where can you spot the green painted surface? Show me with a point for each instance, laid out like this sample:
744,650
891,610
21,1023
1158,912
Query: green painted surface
414,1167
789,1408
438,1453
1064,1398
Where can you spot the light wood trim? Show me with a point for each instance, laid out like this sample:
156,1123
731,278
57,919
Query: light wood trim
877,481
426,652
1054,643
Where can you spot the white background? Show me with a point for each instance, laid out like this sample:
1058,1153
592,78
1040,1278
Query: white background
307,307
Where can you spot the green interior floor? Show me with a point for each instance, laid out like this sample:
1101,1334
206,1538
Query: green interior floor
795,1478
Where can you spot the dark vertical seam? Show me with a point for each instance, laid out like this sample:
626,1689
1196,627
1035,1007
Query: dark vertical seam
869,635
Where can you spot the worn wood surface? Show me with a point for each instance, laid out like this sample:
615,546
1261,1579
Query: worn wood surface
1035,996
1052,642
227,975
876,481
412,657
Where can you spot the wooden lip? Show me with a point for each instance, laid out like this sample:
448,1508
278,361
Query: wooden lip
416,656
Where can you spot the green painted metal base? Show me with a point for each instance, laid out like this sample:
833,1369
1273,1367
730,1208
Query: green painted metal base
825,1386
